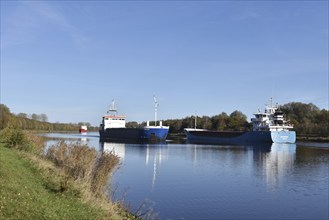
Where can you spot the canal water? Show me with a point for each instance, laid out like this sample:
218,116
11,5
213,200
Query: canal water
189,181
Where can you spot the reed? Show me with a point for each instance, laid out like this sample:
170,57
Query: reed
80,163
104,167
35,144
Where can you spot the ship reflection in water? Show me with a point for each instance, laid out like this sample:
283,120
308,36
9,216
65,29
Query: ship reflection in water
273,160
116,148
193,181
276,163
155,154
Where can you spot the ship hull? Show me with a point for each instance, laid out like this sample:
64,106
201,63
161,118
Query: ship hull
83,129
222,137
134,134
283,137
155,133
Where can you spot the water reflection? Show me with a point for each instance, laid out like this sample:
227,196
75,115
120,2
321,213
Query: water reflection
154,154
273,161
278,163
83,137
116,148
192,181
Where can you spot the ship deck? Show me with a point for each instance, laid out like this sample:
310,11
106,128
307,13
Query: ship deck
222,134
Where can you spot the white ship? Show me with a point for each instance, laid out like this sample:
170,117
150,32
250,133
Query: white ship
269,126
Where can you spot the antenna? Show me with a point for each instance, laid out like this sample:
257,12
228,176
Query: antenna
156,104
112,108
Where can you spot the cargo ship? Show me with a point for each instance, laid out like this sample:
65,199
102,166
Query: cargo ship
269,126
113,128
83,129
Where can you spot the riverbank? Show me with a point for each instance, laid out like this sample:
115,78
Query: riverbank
31,189
313,138
180,138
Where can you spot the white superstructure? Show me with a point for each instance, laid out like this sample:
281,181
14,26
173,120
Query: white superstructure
270,120
160,126
112,120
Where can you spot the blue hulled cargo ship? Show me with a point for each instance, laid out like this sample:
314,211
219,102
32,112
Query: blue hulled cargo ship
113,128
269,126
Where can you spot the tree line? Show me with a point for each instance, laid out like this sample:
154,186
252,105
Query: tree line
36,117
308,119
35,122
236,121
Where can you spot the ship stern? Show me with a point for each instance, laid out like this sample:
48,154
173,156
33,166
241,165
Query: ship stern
156,133
284,137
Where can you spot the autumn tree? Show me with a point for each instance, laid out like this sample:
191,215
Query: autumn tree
5,116
308,119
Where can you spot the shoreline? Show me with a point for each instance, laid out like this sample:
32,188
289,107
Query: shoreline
179,137
30,191
321,139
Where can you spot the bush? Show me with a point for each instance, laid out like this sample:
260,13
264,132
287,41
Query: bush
81,163
16,138
104,167
13,137
33,143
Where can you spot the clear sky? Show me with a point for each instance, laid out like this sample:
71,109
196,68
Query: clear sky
69,59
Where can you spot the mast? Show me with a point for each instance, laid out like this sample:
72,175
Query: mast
195,118
112,108
156,104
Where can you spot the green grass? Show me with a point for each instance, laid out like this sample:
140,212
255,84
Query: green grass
27,193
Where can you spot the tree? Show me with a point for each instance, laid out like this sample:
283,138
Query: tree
35,117
22,115
206,122
43,118
132,124
237,121
5,116
307,118
219,122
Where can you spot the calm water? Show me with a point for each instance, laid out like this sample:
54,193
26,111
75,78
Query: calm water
187,181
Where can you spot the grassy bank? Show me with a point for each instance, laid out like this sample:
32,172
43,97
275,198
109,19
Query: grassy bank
27,193
58,185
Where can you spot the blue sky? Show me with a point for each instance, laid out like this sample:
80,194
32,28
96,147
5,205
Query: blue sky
70,59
